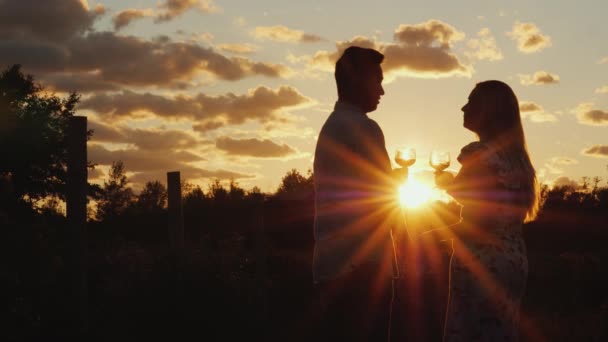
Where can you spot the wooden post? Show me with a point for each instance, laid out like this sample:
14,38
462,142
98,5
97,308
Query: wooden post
176,227
261,253
76,208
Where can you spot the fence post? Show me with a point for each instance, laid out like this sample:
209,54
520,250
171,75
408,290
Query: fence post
261,254
76,210
176,229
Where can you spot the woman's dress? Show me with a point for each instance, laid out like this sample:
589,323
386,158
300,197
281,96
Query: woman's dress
488,271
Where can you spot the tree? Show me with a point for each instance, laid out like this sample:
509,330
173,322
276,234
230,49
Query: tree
153,197
33,127
235,192
116,197
294,185
217,191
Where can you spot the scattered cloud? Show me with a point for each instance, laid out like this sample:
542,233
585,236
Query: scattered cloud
240,21
125,17
598,151
538,78
529,37
171,9
555,165
49,20
484,46
282,33
242,49
535,112
261,104
152,139
76,82
254,147
602,90
150,165
137,160
566,182
588,115
420,50
564,161
128,60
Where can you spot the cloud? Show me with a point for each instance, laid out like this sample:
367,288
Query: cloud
171,9
138,160
602,90
242,49
555,165
420,50
95,174
587,115
260,104
150,165
565,182
254,147
49,20
529,37
151,139
76,82
166,11
240,21
125,17
130,60
538,78
563,161
598,151
282,33
535,112
484,46
127,60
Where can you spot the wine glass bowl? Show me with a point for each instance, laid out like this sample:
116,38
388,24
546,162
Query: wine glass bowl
439,160
405,157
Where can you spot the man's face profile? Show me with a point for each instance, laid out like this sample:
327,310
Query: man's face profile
371,88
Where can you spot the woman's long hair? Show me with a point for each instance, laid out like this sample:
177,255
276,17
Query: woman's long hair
501,125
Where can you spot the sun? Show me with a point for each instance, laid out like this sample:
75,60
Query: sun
414,193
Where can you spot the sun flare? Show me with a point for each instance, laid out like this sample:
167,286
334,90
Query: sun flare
414,193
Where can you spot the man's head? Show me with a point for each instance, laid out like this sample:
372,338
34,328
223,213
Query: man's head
359,77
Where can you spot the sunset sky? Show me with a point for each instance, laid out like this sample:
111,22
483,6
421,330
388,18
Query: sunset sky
240,89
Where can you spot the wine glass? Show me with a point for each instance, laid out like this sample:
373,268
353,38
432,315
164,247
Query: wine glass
405,157
439,160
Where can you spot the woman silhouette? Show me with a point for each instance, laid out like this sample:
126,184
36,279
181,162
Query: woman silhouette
498,191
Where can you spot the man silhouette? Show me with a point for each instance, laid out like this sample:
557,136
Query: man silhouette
354,260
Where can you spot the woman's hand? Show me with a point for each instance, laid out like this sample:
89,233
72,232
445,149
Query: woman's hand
400,174
443,179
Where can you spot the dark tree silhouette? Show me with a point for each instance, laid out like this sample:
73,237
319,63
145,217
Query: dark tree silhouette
153,197
295,185
116,196
33,128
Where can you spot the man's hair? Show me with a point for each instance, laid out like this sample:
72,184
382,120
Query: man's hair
354,63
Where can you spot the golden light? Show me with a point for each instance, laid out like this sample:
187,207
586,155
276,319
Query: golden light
414,193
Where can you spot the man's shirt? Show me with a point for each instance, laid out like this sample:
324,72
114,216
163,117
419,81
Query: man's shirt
354,195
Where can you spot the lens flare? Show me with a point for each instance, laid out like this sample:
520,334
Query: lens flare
414,193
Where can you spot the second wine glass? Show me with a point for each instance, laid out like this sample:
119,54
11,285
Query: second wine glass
439,160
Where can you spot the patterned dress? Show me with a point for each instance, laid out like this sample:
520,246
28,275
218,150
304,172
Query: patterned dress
488,269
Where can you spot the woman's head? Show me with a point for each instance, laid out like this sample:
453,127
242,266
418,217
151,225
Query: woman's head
492,112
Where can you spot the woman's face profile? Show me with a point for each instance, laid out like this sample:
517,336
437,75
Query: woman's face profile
473,112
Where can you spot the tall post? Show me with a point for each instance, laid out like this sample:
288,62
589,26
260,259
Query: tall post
261,253
76,208
176,227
